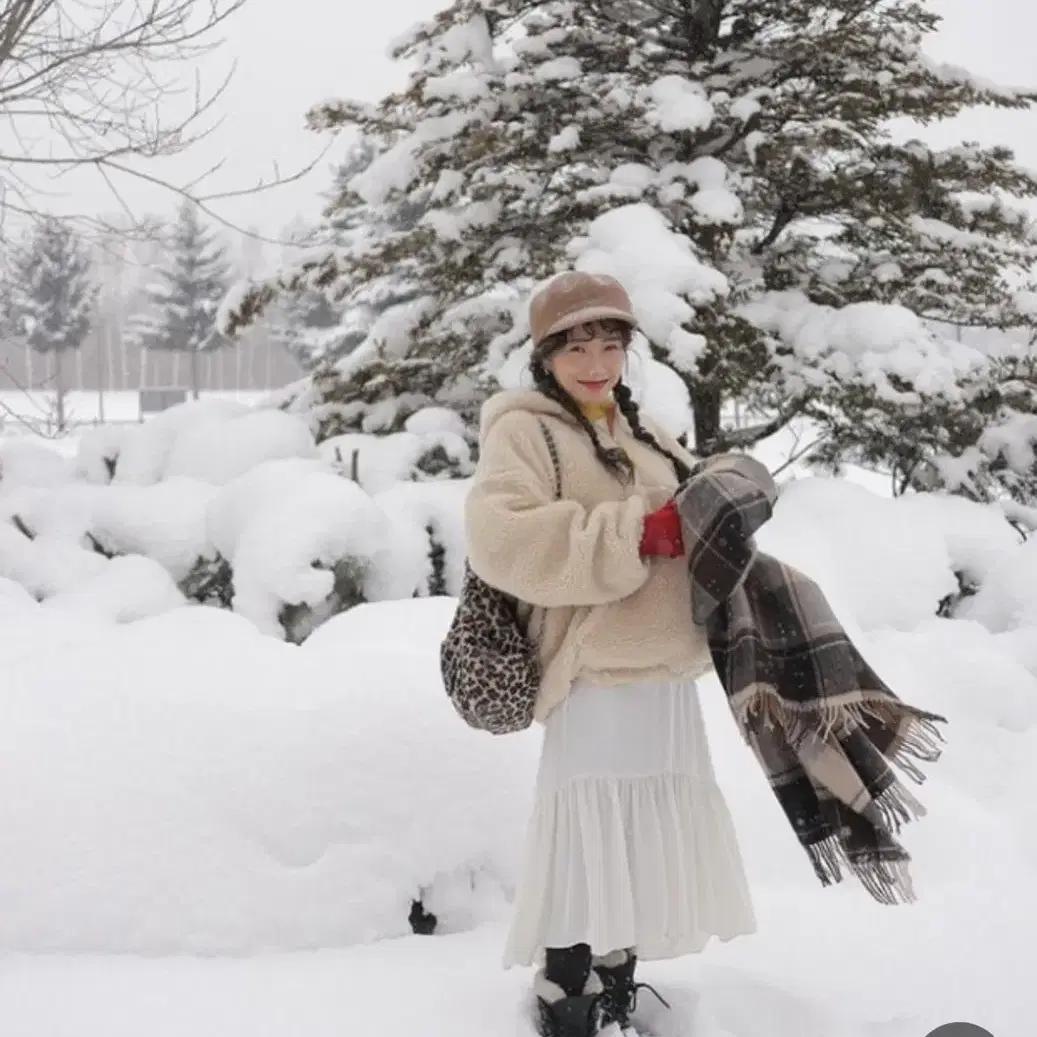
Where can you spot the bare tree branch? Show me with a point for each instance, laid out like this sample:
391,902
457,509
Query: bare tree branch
100,85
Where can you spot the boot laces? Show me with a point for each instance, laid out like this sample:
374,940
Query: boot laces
646,986
623,1009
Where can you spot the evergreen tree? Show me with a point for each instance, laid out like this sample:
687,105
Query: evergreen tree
188,285
308,326
321,319
51,298
808,238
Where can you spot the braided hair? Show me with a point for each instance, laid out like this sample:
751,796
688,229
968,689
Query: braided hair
630,410
614,459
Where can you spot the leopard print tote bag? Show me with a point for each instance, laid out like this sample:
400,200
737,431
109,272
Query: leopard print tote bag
490,666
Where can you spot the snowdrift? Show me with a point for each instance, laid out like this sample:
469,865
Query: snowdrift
187,778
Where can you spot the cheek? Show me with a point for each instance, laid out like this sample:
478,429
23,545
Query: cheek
565,368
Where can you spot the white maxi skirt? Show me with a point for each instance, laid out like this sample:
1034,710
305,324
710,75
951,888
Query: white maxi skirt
631,844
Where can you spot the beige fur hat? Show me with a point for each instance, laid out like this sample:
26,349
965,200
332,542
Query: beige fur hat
577,298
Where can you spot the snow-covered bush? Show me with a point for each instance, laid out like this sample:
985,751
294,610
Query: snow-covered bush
219,504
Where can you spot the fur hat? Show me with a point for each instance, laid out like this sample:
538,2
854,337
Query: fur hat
575,298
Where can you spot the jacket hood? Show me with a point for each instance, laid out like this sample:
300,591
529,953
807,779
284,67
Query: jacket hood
528,401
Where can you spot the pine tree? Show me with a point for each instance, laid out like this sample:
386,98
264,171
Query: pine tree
51,298
185,292
810,238
309,327
321,320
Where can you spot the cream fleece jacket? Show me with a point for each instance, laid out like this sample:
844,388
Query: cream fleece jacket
599,612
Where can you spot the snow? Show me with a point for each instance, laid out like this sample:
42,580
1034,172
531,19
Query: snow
1006,600
657,266
144,456
166,522
717,206
297,527
125,589
452,225
864,544
234,505
221,792
558,70
678,104
567,139
432,420
218,832
458,44
381,461
27,462
416,509
245,440
868,341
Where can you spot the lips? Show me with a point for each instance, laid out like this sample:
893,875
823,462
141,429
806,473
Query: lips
596,386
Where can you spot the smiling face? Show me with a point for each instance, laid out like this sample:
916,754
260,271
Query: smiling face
590,362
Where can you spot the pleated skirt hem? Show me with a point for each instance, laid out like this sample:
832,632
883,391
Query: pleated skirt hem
647,862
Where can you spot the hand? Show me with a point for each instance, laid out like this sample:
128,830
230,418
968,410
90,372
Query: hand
661,536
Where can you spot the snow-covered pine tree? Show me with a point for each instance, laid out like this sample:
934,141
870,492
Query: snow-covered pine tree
736,163
324,320
51,298
303,322
184,294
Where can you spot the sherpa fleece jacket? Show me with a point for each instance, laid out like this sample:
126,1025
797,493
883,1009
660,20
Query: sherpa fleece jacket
598,610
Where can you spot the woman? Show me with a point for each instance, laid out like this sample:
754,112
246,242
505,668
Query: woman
631,852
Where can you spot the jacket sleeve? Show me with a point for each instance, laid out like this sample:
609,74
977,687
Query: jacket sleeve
545,552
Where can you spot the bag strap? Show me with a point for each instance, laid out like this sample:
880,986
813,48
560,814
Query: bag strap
552,449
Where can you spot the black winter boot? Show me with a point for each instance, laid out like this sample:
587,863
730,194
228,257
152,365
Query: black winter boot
616,971
570,996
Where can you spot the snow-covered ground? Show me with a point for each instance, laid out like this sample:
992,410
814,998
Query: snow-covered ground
212,832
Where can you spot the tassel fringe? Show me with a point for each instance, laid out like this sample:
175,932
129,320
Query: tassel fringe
919,742
886,881
884,870
884,873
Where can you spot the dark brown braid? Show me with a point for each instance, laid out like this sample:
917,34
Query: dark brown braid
630,410
615,459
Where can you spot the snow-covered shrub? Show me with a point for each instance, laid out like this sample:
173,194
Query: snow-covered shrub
299,537
218,449
378,462
99,452
145,449
27,462
239,508
45,564
1006,601
432,563
219,790
123,590
888,561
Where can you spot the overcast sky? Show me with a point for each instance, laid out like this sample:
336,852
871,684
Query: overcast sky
291,54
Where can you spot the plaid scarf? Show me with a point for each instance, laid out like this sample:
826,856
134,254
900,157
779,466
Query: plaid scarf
820,721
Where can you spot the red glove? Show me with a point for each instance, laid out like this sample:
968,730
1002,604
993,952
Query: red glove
662,535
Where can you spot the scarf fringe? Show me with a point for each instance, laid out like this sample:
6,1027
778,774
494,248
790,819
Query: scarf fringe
920,742
896,807
887,880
